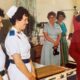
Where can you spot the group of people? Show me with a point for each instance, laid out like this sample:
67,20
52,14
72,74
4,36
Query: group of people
17,47
16,44
55,48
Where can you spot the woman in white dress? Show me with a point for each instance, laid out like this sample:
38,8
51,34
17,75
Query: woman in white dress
3,75
18,47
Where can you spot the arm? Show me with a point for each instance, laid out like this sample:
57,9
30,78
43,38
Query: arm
1,77
21,66
48,38
64,29
33,68
59,35
1,51
59,38
14,52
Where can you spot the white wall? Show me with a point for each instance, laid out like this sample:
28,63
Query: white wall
6,4
44,6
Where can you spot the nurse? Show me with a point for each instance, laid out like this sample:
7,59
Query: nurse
3,75
52,35
18,47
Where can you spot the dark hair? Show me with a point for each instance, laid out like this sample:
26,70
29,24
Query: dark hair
51,14
70,35
1,13
78,18
19,14
60,13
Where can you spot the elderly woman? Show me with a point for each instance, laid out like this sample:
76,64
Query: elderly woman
3,75
18,47
51,49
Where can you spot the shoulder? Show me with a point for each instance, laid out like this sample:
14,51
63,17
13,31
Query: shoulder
11,33
10,36
63,24
46,24
57,25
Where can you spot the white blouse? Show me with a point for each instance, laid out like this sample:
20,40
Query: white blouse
17,43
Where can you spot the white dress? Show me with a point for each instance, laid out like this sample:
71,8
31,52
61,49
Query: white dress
17,43
2,63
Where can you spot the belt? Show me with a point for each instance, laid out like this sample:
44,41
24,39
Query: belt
24,60
2,73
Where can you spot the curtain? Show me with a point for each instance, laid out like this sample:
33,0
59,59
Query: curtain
30,5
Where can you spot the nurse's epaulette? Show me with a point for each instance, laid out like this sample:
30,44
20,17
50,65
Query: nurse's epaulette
12,33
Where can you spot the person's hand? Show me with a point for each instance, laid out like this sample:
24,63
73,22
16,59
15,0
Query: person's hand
56,43
55,47
34,74
1,77
31,77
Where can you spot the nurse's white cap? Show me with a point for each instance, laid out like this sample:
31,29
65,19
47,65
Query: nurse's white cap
11,11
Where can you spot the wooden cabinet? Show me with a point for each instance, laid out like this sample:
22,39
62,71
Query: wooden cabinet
37,50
